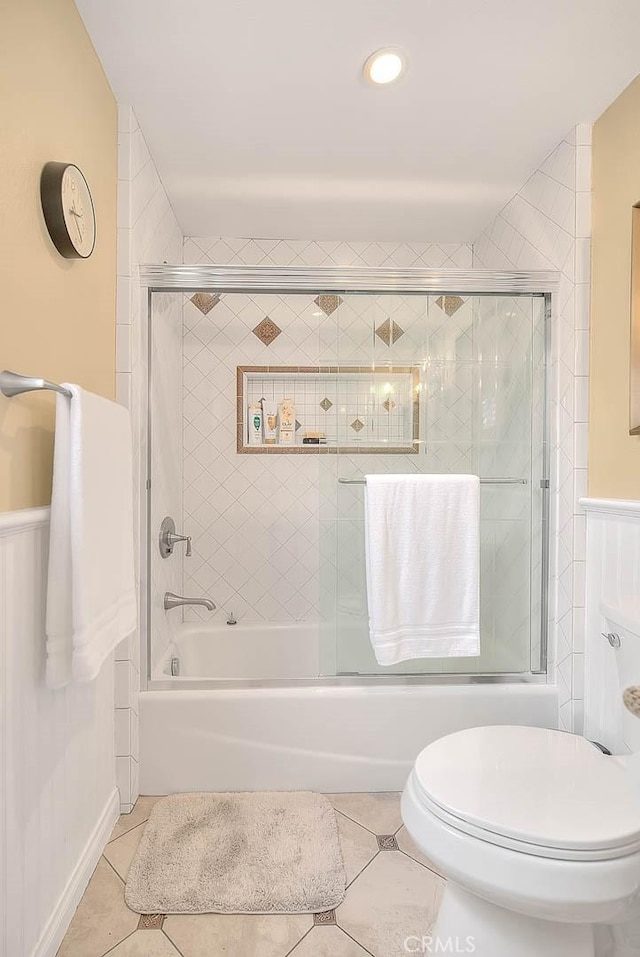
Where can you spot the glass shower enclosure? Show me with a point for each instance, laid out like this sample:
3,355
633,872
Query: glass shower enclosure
398,380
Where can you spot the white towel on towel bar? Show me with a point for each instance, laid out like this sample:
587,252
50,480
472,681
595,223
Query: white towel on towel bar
91,597
422,560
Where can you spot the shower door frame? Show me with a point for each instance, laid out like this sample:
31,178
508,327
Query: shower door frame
252,280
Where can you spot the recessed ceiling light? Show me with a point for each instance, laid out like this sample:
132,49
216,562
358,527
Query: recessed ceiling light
384,66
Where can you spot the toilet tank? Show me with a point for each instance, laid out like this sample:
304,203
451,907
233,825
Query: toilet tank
622,625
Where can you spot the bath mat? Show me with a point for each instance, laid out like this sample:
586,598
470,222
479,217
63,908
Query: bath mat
263,852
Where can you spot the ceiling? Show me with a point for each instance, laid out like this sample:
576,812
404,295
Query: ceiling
261,124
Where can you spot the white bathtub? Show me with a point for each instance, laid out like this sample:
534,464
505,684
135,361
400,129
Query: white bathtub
250,651
344,734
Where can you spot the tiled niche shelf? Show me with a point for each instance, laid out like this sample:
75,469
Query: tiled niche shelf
359,409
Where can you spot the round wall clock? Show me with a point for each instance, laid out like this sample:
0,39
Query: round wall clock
68,210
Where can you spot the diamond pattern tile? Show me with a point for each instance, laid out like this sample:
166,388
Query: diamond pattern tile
450,304
389,332
151,922
205,301
267,331
328,303
325,917
326,404
357,425
387,842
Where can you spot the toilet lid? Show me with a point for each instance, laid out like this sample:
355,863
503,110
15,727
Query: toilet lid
539,788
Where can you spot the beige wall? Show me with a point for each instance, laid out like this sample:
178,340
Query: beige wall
614,455
57,316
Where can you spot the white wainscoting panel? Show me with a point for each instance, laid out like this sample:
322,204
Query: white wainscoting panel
613,580
56,758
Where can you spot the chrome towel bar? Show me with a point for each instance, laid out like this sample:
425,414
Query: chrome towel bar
483,481
13,384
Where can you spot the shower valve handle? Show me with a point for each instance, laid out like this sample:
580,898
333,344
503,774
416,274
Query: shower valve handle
172,539
169,538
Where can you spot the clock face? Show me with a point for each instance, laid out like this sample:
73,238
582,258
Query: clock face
68,210
77,209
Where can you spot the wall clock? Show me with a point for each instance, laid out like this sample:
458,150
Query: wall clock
68,210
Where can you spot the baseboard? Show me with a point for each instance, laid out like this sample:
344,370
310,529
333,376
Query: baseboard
56,926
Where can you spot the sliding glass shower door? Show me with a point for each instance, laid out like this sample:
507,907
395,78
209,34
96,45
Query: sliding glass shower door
441,383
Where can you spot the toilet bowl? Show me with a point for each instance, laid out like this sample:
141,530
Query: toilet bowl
538,834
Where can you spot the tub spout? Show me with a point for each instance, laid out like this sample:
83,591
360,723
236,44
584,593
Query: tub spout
173,601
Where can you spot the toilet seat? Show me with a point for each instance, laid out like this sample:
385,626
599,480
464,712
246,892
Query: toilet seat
532,790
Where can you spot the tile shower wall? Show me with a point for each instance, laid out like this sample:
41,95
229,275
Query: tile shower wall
546,225
148,232
255,519
274,548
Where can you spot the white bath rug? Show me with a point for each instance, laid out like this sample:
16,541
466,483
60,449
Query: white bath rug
263,852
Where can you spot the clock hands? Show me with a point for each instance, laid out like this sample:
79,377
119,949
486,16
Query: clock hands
78,216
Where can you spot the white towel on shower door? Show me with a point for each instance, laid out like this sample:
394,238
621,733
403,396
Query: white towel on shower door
91,597
422,537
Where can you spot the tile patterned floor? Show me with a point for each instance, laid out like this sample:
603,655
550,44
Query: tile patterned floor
393,891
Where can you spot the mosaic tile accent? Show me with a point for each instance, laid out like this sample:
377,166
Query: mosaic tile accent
326,404
389,405
298,425
325,917
151,921
328,303
267,331
205,301
389,331
357,425
387,842
450,304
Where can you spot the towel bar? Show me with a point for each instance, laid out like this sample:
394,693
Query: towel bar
483,481
13,384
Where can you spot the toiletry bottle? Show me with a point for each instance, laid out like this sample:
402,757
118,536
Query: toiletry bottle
255,425
286,422
269,421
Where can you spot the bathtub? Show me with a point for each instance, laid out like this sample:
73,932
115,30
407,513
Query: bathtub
206,730
251,651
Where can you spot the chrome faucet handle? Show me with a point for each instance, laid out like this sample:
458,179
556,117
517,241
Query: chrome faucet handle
168,538
172,539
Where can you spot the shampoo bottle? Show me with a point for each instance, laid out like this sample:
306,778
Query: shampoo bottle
269,421
286,422
255,425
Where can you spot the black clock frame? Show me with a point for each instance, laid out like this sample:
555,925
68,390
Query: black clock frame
53,211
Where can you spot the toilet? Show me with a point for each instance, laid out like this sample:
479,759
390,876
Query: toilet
537,832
